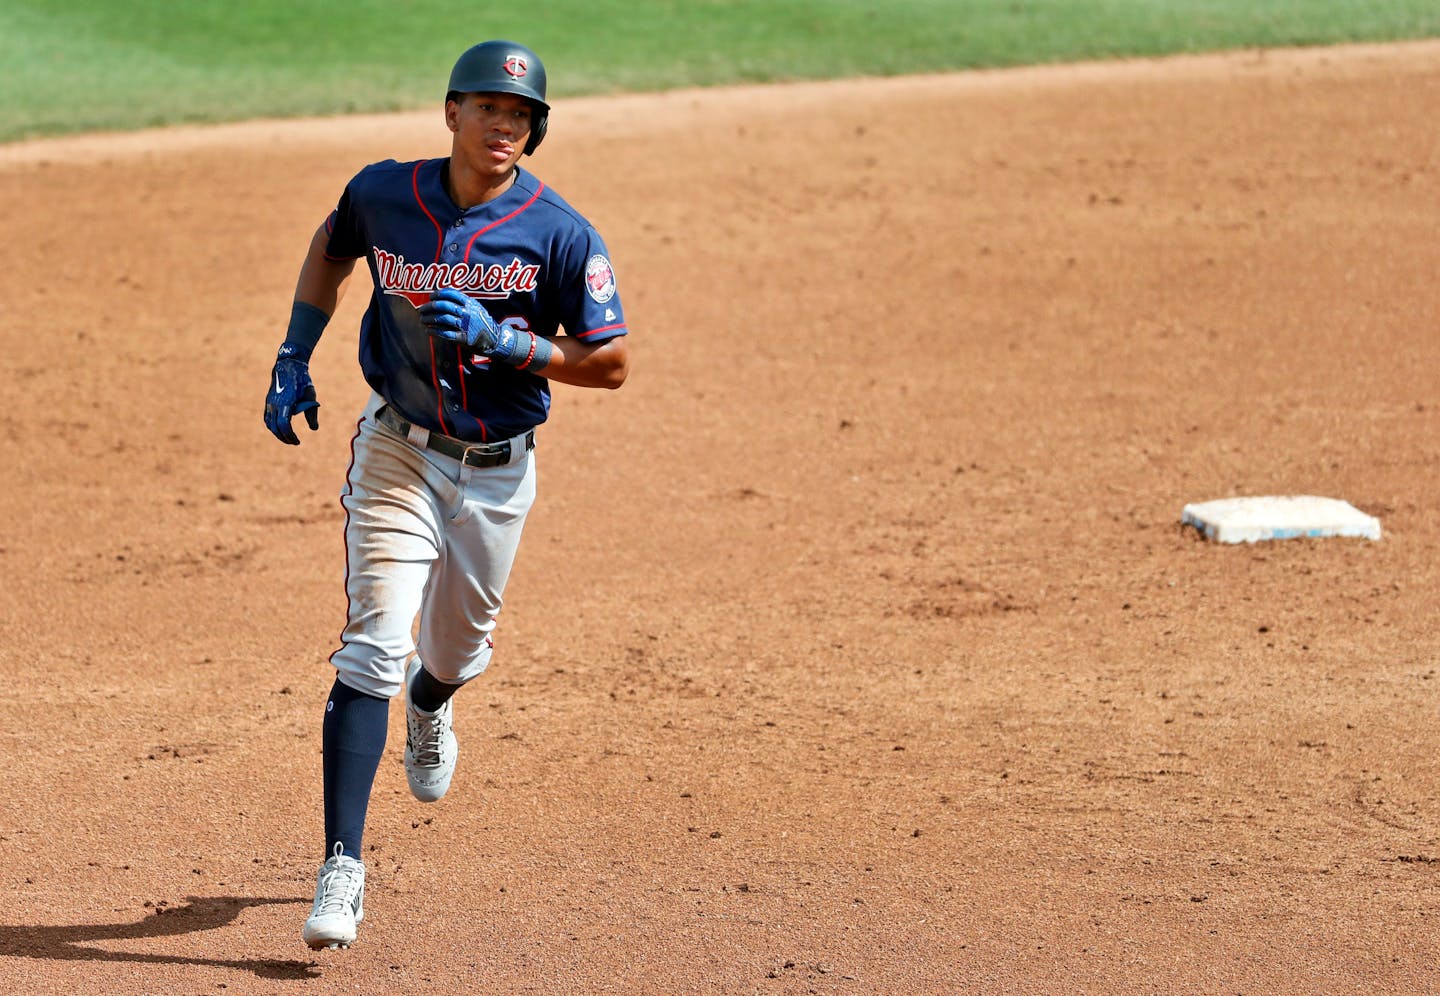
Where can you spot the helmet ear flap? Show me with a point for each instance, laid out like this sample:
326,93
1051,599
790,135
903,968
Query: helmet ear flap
538,125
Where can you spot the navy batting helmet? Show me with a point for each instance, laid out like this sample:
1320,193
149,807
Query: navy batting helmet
504,67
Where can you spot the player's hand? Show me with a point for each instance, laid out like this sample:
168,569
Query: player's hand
291,393
451,314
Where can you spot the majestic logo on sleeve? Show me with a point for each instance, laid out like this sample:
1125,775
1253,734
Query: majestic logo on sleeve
415,282
599,279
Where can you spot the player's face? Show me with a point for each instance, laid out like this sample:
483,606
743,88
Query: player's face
490,130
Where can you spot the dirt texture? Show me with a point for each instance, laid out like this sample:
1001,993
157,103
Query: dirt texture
855,645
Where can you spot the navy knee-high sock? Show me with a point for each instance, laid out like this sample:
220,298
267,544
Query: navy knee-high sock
428,693
353,740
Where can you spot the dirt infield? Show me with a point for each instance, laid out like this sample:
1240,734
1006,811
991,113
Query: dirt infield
855,646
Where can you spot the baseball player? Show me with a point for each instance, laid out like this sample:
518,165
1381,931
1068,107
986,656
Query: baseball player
477,267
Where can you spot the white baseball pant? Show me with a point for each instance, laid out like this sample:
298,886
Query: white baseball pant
426,537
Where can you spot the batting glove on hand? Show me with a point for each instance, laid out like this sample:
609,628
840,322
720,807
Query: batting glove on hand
452,315
291,393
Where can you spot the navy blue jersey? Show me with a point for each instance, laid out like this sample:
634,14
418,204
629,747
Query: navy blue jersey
533,261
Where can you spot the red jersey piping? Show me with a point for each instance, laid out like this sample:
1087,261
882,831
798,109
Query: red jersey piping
439,248
533,198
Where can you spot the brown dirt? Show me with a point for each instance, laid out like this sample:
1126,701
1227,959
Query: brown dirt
855,645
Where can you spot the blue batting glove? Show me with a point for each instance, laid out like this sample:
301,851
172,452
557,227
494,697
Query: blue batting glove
453,315
291,393
456,317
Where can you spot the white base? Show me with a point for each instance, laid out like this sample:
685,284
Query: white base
1246,520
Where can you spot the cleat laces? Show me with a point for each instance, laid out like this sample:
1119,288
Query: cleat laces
338,888
428,737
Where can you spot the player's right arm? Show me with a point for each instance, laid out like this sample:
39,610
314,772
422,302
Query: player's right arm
318,292
323,279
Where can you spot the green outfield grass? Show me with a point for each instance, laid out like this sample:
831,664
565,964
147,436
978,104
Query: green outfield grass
83,65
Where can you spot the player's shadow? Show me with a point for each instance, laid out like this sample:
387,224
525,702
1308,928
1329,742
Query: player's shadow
197,913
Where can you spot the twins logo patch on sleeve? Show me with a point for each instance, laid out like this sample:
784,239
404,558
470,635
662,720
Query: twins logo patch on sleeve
599,278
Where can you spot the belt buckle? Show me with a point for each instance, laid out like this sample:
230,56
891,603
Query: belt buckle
485,454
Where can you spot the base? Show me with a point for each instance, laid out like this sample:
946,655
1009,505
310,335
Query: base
1248,520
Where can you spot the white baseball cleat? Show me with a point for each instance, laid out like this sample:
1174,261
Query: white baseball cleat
339,902
430,746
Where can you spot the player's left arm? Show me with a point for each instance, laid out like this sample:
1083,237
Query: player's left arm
453,315
595,353
603,364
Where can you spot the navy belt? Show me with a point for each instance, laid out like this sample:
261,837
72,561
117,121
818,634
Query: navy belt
470,454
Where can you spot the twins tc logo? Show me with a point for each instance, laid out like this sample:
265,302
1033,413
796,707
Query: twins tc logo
516,65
